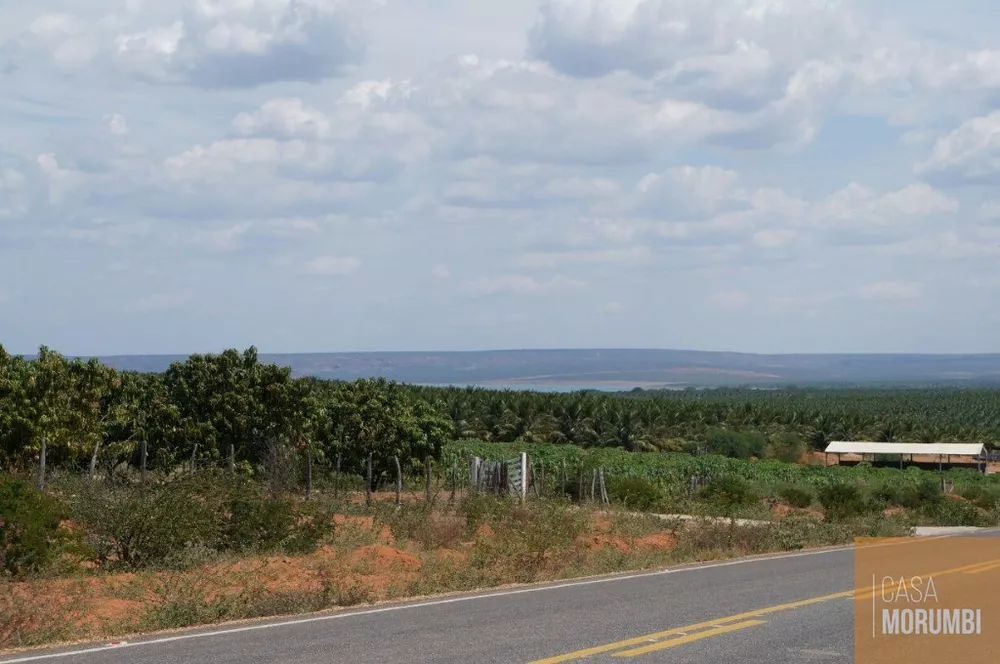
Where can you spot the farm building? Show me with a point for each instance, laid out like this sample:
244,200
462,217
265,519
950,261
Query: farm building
930,456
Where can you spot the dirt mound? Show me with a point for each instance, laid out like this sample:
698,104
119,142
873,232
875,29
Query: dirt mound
602,523
362,521
383,558
597,542
781,510
451,556
657,541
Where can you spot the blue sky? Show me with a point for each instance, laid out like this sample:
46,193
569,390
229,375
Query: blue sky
338,175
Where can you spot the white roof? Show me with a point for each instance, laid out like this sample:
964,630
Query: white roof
955,449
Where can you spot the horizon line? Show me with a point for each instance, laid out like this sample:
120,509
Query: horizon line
514,350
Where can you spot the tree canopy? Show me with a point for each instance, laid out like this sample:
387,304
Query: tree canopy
91,414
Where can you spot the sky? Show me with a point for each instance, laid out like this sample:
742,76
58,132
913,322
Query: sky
360,175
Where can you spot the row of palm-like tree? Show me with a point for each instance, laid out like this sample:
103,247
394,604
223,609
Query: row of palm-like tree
661,420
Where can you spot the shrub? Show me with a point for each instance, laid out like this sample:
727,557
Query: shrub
841,500
796,496
29,526
924,491
728,493
140,526
983,498
256,521
526,538
634,493
313,524
955,513
973,493
787,447
420,523
735,444
483,508
886,494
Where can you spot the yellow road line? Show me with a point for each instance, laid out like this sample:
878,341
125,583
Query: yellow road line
640,640
688,638
984,567
974,568
643,641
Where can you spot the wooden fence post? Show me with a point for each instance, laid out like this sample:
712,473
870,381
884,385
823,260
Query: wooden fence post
143,455
93,461
427,477
474,474
194,453
41,467
309,470
524,476
232,459
454,479
399,481
368,482
336,480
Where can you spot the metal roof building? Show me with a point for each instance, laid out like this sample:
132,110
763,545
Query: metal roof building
953,449
969,451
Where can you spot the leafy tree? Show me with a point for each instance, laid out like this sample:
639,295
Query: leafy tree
29,526
787,446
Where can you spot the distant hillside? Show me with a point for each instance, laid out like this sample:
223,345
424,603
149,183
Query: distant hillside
624,368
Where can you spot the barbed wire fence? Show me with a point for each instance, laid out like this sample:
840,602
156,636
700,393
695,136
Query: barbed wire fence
381,478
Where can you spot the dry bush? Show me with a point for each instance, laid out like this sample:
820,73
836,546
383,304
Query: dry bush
25,621
526,540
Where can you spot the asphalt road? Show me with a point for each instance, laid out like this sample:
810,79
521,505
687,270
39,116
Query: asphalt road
782,609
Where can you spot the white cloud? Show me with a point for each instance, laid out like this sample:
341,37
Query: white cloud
615,307
947,246
792,60
730,300
860,206
284,118
368,137
692,203
989,211
208,44
13,194
811,305
590,157
686,37
484,182
634,255
689,191
522,284
773,237
157,303
970,153
891,290
117,125
331,266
